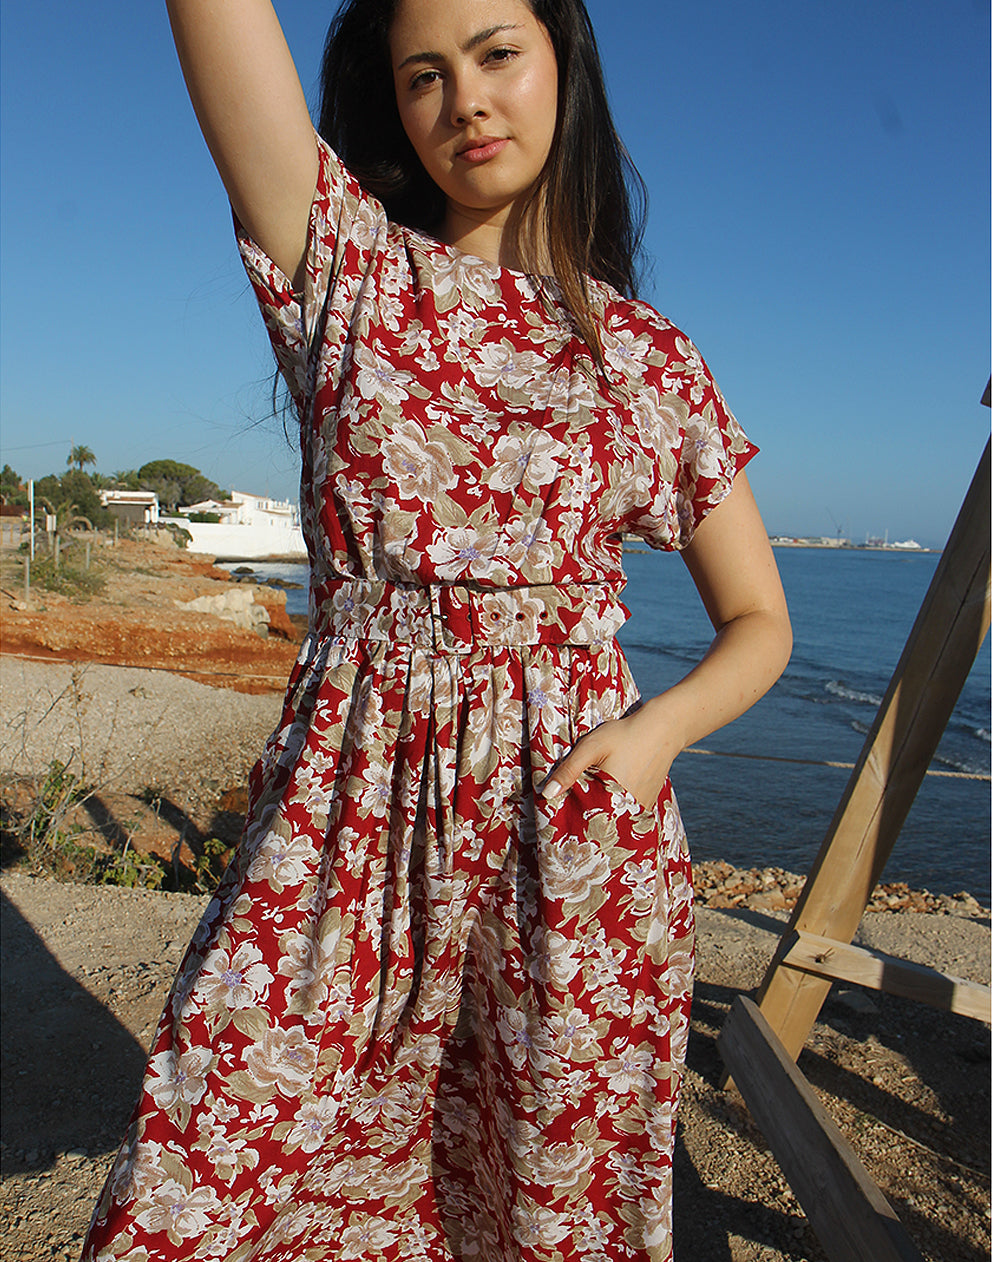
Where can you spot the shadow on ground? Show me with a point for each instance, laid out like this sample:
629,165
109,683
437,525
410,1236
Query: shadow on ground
53,1102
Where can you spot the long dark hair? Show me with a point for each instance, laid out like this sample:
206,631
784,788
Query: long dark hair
590,201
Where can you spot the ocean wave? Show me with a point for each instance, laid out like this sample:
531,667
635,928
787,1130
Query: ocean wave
983,734
961,764
837,689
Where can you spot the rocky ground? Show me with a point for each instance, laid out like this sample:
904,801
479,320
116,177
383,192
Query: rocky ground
164,760
86,970
136,605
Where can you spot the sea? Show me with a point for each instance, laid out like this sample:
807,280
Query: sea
764,794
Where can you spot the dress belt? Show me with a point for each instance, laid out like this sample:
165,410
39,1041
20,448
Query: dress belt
454,618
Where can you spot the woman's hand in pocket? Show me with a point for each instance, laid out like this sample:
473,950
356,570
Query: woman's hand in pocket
635,750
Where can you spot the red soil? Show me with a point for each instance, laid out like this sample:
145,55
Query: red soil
135,620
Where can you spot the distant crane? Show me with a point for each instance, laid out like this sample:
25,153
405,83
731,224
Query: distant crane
841,530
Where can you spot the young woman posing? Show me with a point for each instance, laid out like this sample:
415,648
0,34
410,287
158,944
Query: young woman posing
439,1005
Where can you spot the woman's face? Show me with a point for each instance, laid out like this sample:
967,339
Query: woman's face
477,90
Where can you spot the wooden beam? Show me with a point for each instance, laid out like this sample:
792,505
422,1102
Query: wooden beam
837,960
914,712
852,1219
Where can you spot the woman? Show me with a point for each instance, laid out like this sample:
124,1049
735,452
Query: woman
438,1008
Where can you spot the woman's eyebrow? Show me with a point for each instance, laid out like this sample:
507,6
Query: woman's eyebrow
474,42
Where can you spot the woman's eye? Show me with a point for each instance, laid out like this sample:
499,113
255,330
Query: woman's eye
424,79
501,54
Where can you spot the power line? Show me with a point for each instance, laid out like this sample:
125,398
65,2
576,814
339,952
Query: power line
37,446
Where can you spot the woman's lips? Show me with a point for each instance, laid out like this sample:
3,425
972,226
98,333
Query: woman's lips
482,150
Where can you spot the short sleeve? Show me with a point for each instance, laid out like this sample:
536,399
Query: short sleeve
698,446
345,232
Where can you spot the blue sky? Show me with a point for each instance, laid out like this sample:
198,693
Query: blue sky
819,184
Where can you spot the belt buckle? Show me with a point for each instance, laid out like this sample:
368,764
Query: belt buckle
454,618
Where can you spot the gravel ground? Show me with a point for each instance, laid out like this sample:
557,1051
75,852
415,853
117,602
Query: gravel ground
86,970
130,730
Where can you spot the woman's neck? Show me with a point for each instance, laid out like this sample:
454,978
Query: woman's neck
493,235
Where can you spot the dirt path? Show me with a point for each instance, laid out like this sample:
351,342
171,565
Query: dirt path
87,969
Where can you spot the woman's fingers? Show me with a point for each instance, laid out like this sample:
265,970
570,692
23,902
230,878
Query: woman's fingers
622,749
589,752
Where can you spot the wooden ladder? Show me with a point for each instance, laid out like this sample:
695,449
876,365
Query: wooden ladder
760,1044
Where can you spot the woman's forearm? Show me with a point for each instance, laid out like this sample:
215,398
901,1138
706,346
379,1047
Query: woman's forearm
746,657
744,660
732,565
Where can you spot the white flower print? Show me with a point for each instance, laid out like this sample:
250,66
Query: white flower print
283,1059
281,861
393,1103
629,1070
313,1123
235,981
377,378
460,404
457,1116
179,1080
571,868
376,793
699,449
177,1211
657,1216
463,279
679,972
523,1036
529,548
420,468
137,1170
557,960
641,878
572,397
574,1035
464,551
526,461
230,1156
370,1233
535,1226
501,364
561,1166
626,352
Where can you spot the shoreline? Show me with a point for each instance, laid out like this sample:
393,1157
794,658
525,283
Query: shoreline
123,686
848,546
141,734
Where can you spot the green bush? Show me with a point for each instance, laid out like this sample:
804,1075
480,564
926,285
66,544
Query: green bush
68,579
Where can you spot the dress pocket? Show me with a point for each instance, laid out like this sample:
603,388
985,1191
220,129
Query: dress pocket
629,803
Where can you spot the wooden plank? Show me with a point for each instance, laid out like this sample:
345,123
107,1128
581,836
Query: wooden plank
825,958
852,1219
914,712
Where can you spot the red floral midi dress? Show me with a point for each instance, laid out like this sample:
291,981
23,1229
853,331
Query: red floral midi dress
430,1015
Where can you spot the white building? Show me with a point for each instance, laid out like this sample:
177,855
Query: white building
138,508
251,528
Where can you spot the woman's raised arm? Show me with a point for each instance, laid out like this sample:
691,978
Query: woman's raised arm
248,99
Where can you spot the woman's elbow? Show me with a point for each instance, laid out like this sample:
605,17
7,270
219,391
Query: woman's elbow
780,637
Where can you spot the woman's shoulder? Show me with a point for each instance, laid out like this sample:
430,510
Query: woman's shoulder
619,311
643,337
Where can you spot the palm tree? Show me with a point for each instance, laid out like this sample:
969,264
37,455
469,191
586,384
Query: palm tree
66,514
79,456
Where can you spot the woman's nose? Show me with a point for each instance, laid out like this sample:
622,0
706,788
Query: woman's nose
467,101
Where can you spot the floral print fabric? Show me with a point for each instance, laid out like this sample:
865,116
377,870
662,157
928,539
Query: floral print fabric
430,1015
